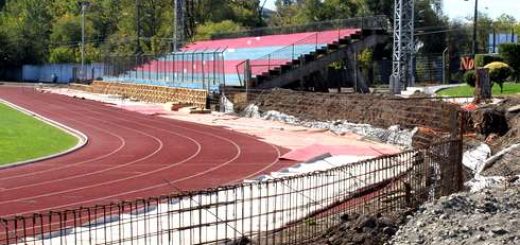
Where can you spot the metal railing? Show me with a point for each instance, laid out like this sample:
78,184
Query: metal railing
287,54
192,69
286,210
378,22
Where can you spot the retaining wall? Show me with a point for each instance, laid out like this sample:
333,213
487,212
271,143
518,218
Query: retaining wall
436,119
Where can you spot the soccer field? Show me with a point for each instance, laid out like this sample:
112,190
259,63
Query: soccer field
23,137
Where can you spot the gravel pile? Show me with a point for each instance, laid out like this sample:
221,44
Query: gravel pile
488,217
361,229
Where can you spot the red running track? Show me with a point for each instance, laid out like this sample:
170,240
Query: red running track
128,156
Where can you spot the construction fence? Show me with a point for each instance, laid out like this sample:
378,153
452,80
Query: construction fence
287,210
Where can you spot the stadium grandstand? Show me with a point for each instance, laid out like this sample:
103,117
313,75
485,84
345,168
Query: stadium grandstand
211,63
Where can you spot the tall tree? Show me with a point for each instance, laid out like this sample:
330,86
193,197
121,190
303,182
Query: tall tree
26,25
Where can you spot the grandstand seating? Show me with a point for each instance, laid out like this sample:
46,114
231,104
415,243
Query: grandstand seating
207,64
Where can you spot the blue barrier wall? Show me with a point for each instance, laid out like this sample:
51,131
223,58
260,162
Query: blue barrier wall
64,73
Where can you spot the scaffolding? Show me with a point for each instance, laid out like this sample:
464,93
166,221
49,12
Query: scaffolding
404,46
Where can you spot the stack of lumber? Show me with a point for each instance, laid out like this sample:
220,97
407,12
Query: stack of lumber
148,93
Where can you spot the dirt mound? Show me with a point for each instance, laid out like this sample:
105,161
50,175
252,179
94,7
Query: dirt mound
499,126
487,217
507,165
362,229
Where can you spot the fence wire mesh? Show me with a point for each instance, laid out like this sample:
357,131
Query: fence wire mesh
285,210
197,69
288,210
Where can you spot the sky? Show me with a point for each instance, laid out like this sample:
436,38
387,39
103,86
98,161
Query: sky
460,9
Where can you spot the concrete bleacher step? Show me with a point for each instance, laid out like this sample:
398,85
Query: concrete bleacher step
321,51
356,36
260,79
309,57
332,46
286,67
279,76
345,41
275,71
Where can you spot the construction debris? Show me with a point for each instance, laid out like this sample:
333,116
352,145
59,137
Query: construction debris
358,228
392,135
488,217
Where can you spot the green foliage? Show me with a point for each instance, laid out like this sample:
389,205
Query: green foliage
499,72
509,88
4,50
62,55
206,30
380,7
483,59
25,24
470,78
485,27
38,31
307,11
504,23
365,58
426,18
510,52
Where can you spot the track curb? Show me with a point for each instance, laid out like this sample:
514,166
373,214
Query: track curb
82,138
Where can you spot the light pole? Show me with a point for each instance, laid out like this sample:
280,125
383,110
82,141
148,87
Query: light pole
474,45
138,26
175,25
83,5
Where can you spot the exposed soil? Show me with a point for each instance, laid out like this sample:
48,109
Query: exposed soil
362,229
380,110
508,165
487,217
499,126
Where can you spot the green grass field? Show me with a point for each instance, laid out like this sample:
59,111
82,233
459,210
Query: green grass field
509,88
23,137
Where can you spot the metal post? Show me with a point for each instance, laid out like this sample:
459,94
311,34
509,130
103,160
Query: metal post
247,74
268,62
178,24
202,72
175,27
83,5
444,66
292,52
138,26
316,42
475,25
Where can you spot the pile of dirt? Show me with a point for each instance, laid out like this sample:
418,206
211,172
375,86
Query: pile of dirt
362,229
499,126
507,165
488,217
